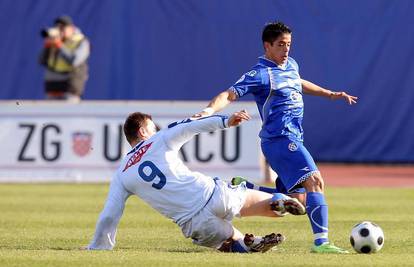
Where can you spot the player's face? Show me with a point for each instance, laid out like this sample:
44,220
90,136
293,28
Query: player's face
278,51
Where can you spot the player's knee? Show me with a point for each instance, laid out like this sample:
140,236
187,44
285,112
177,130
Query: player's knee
314,183
319,181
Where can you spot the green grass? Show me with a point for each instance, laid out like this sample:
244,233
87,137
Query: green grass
45,224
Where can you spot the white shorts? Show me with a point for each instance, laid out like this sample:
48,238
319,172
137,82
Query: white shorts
211,226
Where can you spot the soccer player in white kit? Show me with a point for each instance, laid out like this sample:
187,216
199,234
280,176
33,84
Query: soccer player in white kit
201,206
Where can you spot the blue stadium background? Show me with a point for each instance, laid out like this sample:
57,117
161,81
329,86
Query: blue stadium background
192,49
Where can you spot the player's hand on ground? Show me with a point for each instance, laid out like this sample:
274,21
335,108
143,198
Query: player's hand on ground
348,98
238,117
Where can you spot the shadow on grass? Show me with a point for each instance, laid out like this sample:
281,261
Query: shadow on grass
80,248
183,250
164,249
38,248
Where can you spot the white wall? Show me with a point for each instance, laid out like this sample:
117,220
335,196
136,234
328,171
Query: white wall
37,140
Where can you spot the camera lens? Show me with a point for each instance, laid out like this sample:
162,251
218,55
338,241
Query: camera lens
44,33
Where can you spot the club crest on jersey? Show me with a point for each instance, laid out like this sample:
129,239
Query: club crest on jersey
295,96
251,73
292,146
136,157
81,143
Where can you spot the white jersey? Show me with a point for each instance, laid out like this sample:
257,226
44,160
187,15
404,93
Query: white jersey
153,171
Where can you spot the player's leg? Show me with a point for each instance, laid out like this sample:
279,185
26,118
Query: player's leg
317,209
250,243
259,203
236,180
297,169
212,227
279,190
298,193
268,174
105,232
262,244
208,228
235,243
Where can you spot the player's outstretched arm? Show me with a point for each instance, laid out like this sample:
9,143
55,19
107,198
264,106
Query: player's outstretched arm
105,232
179,133
219,102
313,89
343,95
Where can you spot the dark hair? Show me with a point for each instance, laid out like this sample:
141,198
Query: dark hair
273,30
134,121
64,20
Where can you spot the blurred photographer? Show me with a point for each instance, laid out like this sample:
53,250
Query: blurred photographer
64,55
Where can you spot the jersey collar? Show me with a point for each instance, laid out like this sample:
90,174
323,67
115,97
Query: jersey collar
136,147
270,63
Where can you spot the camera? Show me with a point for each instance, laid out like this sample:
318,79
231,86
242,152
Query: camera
52,32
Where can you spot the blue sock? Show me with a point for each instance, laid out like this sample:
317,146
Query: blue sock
239,246
250,185
265,189
317,210
269,190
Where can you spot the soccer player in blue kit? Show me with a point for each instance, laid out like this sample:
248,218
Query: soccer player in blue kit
277,88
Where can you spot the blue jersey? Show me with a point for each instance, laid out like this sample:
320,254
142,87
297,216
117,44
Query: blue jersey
277,91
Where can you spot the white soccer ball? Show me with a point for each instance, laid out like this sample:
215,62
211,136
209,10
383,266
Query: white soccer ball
367,237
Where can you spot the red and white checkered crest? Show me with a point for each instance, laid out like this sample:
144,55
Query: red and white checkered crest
81,143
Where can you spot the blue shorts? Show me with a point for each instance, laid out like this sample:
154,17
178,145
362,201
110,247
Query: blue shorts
281,188
291,161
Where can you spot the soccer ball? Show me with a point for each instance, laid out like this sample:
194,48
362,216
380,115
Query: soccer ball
367,237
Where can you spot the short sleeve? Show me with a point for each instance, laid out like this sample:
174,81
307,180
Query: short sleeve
248,83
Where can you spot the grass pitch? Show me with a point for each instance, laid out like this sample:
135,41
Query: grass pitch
45,224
